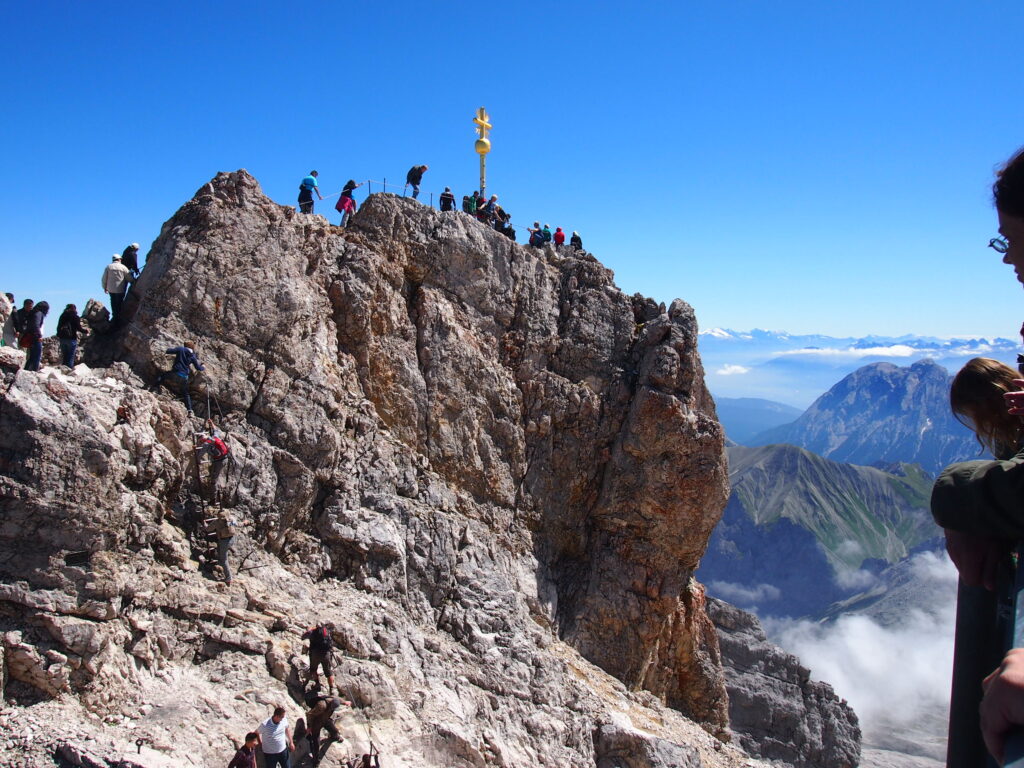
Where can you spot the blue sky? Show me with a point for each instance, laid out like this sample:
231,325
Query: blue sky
813,166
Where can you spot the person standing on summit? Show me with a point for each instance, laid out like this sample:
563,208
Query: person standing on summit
447,200
306,190
414,177
115,281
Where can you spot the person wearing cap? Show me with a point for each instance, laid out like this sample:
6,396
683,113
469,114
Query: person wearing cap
306,190
414,177
447,200
115,281
130,258
576,242
546,233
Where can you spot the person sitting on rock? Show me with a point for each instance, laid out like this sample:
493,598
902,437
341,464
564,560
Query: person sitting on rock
559,238
319,717
536,235
184,359
576,242
321,647
546,233
245,757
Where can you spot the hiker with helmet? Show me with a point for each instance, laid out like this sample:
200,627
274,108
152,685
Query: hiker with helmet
321,647
185,359
115,283
447,200
69,325
306,189
32,336
130,258
414,177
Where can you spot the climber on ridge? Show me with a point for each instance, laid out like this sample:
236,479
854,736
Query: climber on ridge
115,283
184,359
69,325
320,716
447,200
32,336
321,647
559,238
306,189
414,177
130,258
346,204
576,241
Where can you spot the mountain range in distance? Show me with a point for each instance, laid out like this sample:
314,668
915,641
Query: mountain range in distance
795,369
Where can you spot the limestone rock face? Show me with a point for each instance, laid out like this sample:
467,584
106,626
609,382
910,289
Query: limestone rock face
482,463
776,711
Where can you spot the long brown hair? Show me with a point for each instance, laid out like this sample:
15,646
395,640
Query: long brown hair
976,397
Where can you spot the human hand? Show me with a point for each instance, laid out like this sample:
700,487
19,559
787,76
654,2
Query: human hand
1015,400
975,557
1002,708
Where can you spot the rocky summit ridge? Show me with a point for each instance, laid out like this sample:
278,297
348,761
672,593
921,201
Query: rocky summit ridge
490,469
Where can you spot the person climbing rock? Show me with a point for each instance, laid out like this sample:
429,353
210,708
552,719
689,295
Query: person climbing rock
245,757
69,325
115,282
576,242
346,204
319,717
306,190
130,258
275,739
447,200
414,177
32,336
221,527
559,238
184,359
321,647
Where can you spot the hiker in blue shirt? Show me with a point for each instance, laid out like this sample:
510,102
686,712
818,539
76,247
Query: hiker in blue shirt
184,358
306,190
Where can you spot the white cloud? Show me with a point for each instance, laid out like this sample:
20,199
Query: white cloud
856,353
857,579
732,370
742,595
896,678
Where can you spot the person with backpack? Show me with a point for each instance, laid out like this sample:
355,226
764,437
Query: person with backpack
536,235
130,258
222,526
115,283
321,647
414,177
184,359
576,242
32,336
306,189
559,238
69,325
447,200
546,233
320,716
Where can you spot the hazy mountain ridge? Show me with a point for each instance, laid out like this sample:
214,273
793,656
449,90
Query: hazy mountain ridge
744,417
882,413
800,531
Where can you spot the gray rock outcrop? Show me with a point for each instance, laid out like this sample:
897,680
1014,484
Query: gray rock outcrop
777,712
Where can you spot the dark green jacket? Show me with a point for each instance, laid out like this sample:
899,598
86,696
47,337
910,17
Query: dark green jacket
982,497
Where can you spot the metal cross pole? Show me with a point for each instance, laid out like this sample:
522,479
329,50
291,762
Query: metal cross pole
482,145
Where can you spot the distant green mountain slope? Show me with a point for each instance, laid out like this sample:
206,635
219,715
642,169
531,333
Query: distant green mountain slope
801,532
